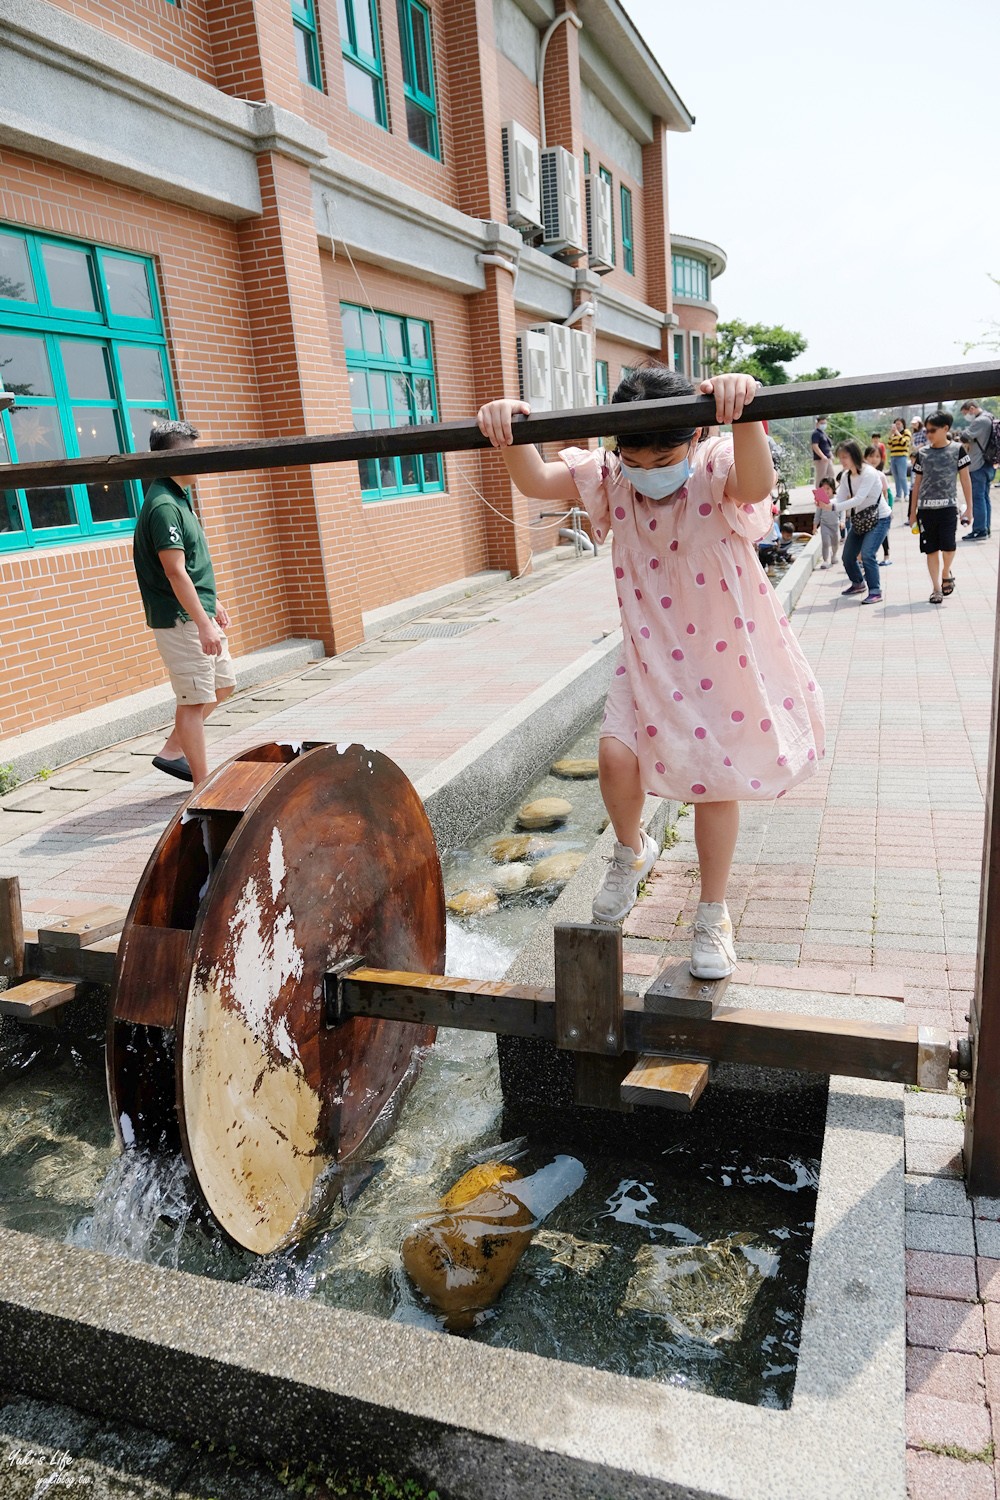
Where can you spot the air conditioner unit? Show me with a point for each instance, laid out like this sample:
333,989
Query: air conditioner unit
521,176
561,216
534,369
583,368
560,345
600,234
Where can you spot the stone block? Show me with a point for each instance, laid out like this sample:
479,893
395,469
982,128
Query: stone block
930,1274
930,1476
941,1234
955,1377
938,1323
944,1423
937,1195
932,1159
988,1238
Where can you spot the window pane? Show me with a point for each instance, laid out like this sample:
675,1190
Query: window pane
364,34
10,513
37,433
306,56
420,25
420,128
141,419
409,471
345,34
432,468
142,372
351,319
423,396
50,508
15,270
368,474
419,348
128,288
378,388
387,473
373,334
85,365
110,502
401,401
362,421
24,365
69,276
393,330
97,431
364,93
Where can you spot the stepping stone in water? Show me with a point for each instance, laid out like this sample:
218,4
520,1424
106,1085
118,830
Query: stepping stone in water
575,770
545,812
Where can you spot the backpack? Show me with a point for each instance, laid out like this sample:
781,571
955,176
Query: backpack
991,448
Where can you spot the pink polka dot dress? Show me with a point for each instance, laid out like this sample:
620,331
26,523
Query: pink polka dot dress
712,690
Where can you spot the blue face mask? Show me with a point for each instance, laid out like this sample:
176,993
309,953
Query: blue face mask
658,484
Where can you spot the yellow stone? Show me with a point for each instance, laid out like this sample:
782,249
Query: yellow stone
575,770
546,812
516,846
557,869
511,879
473,903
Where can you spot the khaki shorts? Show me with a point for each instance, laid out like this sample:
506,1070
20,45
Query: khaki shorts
194,677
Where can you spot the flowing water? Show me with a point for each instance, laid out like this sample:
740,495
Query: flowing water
686,1265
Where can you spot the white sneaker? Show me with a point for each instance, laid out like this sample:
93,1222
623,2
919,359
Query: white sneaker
712,953
620,886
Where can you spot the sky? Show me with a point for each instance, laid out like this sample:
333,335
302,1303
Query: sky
847,159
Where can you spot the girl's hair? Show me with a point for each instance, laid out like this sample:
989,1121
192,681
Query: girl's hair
900,420
654,382
871,452
828,482
853,452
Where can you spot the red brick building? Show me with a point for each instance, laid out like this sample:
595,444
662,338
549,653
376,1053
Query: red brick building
282,216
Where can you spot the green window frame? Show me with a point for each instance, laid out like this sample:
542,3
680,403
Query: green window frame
417,44
602,383
362,56
696,356
82,346
307,43
678,340
690,277
628,257
586,164
607,177
390,370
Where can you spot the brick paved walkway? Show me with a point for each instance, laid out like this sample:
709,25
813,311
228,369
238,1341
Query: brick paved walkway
866,881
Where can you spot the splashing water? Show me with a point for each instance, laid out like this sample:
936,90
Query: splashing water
141,1211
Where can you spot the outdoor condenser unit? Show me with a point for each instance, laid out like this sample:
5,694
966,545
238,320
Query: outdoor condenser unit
562,219
600,235
521,177
560,345
583,368
534,369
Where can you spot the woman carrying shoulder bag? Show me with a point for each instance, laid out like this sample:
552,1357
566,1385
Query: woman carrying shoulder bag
860,494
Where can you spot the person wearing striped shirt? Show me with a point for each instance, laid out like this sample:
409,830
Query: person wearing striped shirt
899,457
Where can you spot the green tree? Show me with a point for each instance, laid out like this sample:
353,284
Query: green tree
823,373
990,337
756,349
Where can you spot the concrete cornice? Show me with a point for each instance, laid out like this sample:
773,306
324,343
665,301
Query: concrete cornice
709,307
616,37
703,249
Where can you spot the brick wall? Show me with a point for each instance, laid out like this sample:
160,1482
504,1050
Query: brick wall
177,34
216,383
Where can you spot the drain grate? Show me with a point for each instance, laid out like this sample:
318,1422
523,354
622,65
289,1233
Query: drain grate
425,630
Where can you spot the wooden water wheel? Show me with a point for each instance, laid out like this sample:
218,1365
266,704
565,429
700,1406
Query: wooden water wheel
287,860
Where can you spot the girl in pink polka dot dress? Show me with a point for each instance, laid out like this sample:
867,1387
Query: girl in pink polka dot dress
712,701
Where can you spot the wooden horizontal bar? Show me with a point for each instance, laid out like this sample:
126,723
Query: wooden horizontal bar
765,1039
94,964
35,997
674,991
802,398
80,931
665,1083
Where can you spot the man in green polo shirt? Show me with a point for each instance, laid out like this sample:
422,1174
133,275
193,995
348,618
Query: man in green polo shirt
177,584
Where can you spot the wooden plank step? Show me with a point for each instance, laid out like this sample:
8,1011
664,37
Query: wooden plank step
234,787
89,927
665,1082
674,991
34,997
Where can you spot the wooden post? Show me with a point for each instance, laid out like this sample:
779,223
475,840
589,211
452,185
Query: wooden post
11,929
982,1115
589,1011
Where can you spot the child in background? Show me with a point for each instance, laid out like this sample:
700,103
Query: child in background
711,701
937,467
827,521
873,456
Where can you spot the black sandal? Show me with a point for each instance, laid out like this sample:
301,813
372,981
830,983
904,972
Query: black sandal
947,585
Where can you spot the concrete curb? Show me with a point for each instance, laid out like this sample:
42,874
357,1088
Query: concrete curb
99,728
789,588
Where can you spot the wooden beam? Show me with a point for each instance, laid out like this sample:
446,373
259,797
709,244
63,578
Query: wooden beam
35,997
802,398
766,1039
11,928
89,927
588,992
95,963
666,1082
